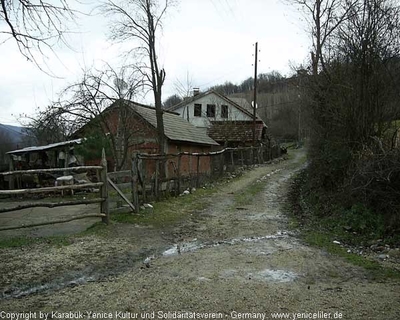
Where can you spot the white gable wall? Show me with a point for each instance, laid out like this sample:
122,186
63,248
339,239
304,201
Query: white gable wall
187,111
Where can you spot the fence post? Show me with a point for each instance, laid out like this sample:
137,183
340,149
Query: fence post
11,168
221,159
156,184
241,157
232,159
262,150
104,207
198,172
179,173
190,169
135,193
142,169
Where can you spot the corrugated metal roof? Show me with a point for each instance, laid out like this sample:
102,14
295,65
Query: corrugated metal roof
46,147
175,127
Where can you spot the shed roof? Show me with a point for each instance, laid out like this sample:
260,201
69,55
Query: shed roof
175,127
47,147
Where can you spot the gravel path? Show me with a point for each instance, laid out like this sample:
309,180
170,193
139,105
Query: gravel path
227,261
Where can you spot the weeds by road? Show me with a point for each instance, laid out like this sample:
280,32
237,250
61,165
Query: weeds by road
230,252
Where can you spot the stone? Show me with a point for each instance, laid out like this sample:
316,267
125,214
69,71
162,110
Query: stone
395,253
383,256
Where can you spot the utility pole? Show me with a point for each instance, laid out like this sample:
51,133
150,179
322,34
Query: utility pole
255,95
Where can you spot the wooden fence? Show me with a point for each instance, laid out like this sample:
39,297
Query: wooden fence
102,184
150,177
154,175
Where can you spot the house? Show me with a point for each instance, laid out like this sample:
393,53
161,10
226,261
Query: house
140,131
227,121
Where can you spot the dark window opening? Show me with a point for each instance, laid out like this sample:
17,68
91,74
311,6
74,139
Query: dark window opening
224,111
197,110
211,110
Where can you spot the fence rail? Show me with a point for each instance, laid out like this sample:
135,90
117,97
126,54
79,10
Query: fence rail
150,176
156,174
102,200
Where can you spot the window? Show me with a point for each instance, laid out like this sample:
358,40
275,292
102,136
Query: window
197,110
224,111
211,110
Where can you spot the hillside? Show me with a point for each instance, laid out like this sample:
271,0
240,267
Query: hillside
13,134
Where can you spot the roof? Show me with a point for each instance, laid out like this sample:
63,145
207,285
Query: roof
247,109
243,103
235,130
46,147
175,127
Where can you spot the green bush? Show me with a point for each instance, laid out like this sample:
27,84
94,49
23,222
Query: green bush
364,221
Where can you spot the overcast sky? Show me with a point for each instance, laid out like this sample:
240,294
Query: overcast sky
211,40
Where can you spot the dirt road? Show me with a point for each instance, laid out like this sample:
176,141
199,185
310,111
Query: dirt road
232,260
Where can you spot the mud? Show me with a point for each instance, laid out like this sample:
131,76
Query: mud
226,258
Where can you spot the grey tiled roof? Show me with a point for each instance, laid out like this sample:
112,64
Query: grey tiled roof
244,104
175,127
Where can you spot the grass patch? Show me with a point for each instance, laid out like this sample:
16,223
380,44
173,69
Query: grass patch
308,213
99,228
324,241
247,197
169,211
16,242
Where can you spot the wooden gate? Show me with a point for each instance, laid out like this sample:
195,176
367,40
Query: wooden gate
102,199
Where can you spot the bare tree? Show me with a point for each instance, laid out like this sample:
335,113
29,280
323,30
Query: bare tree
87,102
184,87
35,26
323,18
47,126
172,101
353,100
140,20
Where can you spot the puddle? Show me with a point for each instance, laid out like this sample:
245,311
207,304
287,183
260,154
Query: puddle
273,275
267,275
195,245
183,247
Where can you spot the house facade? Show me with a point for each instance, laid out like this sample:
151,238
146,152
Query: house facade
140,133
203,108
219,116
